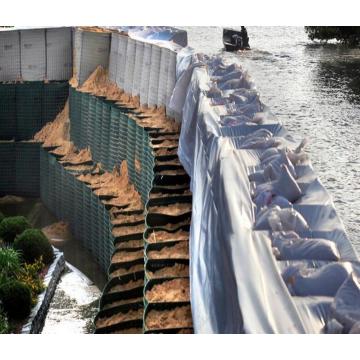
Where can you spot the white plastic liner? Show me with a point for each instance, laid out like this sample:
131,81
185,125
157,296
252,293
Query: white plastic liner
138,68
236,283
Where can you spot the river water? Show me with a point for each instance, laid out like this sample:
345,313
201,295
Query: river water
314,90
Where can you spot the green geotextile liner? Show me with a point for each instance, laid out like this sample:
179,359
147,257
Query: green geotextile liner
112,136
19,168
74,202
26,107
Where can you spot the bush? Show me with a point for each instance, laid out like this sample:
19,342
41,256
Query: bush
16,299
33,245
12,226
2,216
4,324
30,276
9,264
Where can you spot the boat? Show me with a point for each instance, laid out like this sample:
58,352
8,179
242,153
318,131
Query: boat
234,40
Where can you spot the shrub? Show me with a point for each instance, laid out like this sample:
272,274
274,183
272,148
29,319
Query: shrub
4,324
33,245
30,276
12,226
9,264
16,299
2,216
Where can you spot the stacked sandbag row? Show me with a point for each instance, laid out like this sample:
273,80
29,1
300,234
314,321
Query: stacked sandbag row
168,216
74,202
19,168
26,107
113,135
143,69
36,54
91,48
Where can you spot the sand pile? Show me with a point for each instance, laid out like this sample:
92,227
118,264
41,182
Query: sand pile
162,236
124,256
120,317
78,157
168,319
172,210
127,230
170,291
178,251
126,219
131,244
123,271
128,286
60,230
56,132
177,270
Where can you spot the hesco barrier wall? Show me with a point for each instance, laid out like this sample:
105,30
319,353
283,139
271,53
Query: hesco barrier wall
74,202
113,136
26,107
36,54
19,168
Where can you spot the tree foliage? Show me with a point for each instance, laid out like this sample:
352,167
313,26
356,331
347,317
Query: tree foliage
349,35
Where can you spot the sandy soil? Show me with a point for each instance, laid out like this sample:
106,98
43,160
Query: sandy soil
123,256
162,236
178,251
128,230
119,318
129,331
176,270
123,271
170,291
132,244
132,284
167,319
57,230
127,219
159,195
78,157
122,302
172,209
172,227
166,151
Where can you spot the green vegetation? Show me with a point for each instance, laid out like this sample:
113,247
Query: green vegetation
12,226
34,245
24,254
349,35
16,299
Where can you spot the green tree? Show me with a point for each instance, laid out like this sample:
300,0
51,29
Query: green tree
349,35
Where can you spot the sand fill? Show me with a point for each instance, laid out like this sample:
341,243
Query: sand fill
177,270
78,167
166,151
178,251
55,133
172,209
124,256
77,157
132,244
160,195
172,172
122,302
185,331
123,271
128,230
119,318
129,331
127,219
165,144
173,227
132,284
162,236
57,230
170,291
180,317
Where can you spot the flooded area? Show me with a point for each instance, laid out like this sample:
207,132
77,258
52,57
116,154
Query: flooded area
314,90
75,301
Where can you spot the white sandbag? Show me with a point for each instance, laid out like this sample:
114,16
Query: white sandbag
286,185
171,78
269,153
346,305
326,281
163,73
306,249
113,59
229,120
280,201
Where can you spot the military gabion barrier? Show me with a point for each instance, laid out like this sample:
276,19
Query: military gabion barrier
26,107
19,168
